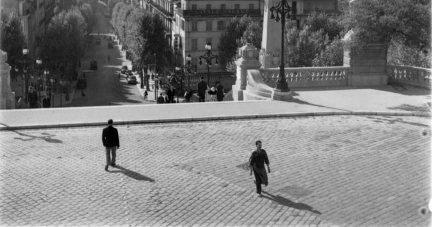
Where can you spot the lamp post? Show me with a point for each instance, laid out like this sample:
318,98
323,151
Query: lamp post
25,63
284,10
39,63
187,67
208,56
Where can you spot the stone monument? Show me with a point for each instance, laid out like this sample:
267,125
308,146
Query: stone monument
269,55
7,100
248,54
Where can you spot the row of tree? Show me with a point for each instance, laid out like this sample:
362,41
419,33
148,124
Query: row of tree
404,26
65,38
142,33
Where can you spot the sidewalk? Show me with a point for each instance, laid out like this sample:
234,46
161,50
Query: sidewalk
383,100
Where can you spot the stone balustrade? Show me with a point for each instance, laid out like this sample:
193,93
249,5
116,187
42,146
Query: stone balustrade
410,75
307,77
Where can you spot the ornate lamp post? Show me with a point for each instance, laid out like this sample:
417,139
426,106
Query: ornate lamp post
186,68
284,10
25,63
208,56
39,63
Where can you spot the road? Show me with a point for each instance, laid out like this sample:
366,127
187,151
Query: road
330,170
103,85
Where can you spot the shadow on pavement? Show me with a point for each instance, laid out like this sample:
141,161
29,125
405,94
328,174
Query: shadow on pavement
46,137
132,174
295,100
412,108
286,202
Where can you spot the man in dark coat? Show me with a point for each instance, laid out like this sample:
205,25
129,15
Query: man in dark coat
220,91
111,142
46,102
202,87
160,99
32,98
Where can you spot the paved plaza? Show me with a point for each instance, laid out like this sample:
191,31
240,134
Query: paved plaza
326,171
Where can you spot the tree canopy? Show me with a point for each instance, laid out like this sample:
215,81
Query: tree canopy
12,37
385,21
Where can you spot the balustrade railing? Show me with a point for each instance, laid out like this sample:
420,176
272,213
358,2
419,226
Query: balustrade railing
410,75
308,76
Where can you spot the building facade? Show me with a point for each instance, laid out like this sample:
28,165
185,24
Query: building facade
190,24
35,16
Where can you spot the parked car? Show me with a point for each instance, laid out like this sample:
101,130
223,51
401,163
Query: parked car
129,73
131,79
93,65
123,69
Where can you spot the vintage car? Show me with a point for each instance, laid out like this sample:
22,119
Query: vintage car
131,79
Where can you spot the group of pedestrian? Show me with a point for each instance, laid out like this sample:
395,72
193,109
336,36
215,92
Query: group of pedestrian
32,100
216,93
257,160
167,97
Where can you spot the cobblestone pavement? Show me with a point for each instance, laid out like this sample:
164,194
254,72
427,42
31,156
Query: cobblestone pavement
334,170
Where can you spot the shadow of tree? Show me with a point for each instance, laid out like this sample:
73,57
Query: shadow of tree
413,108
295,100
286,202
47,137
132,174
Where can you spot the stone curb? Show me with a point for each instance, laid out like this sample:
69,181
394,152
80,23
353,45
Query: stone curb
212,118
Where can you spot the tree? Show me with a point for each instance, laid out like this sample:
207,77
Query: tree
387,21
400,54
329,24
331,56
111,5
115,15
122,21
87,12
12,38
302,45
229,41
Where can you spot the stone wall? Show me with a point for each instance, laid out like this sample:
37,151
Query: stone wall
7,98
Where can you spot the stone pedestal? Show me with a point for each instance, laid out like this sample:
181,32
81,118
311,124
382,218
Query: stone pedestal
282,96
367,67
7,98
269,54
248,54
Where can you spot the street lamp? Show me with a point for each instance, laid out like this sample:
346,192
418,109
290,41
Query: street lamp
39,63
187,68
25,63
208,56
282,9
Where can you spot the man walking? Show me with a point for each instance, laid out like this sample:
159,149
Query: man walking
32,98
220,91
46,102
202,87
110,140
160,99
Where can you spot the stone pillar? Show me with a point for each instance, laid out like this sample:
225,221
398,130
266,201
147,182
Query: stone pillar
7,98
368,67
248,54
271,39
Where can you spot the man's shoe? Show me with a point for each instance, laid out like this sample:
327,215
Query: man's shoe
106,168
113,164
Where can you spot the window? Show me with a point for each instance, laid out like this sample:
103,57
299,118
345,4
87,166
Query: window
223,6
251,6
194,26
182,24
236,6
220,25
208,6
194,44
194,6
209,25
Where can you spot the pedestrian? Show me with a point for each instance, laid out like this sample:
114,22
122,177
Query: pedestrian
32,98
111,142
220,91
145,95
169,95
160,99
256,164
212,92
46,102
188,96
202,87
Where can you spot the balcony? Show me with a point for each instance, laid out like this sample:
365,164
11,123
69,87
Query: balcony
162,10
219,12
